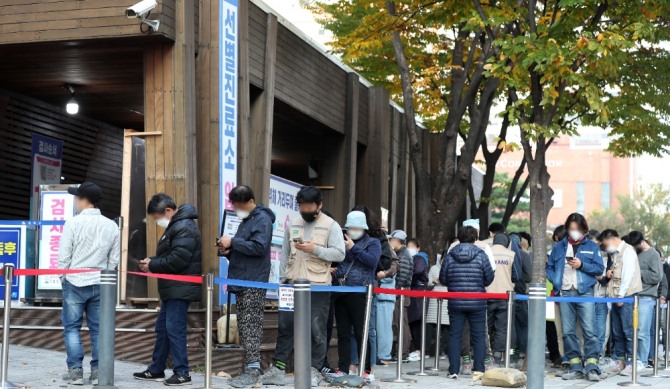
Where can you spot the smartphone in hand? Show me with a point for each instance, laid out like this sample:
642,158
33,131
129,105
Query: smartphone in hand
298,240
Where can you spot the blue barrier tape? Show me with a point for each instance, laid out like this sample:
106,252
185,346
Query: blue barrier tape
32,222
559,299
273,286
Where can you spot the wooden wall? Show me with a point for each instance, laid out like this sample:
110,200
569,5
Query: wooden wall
23,21
92,151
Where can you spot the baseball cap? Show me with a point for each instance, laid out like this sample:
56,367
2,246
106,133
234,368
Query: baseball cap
398,234
474,223
87,190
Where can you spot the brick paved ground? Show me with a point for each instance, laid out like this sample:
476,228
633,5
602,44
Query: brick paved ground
39,369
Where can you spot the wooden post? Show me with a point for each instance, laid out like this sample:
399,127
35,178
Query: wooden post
375,188
244,144
207,95
262,118
394,168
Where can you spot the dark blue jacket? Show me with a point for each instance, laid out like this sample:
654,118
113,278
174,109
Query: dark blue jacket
592,265
466,269
362,259
250,252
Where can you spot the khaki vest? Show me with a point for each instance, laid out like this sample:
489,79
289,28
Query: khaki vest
617,266
309,266
504,258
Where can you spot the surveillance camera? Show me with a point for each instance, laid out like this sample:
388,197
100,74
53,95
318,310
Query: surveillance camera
141,9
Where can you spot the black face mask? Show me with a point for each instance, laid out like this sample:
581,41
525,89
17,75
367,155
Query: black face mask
309,216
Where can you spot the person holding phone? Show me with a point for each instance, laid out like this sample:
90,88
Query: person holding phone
248,253
312,243
572,268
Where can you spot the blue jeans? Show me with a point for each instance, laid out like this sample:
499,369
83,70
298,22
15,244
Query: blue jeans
645,315
602,312
384,328
477,320
585,313
76,301
622,331
372,335
171,338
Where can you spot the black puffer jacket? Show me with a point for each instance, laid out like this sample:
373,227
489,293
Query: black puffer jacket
404,277
179,252
250,254
466,269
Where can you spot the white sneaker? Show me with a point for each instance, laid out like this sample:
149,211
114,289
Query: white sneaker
414,357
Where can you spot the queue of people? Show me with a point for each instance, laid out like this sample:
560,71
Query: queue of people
587,340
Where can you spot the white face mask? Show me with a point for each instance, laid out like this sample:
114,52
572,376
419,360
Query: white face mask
355,234
576,235
242,213
611,249
412,251
163,222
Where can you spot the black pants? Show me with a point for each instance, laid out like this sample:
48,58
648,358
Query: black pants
415,330
497,321
521,325
431,332
320,306
329,327
552,341
350,313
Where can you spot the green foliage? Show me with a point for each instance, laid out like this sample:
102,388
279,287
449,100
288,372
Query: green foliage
519,220
648,212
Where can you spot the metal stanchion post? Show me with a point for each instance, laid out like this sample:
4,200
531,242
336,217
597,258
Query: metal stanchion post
537,322
438,333
302,319
209,282
119,221
510,325
422,362
401,317
666,345
634,382
107,329
8,274
366,332
657,332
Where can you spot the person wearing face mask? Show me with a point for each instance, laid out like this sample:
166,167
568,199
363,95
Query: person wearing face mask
623,280
89,240
572,267
178,252
248,253
651,274
311,243
357,269
414,248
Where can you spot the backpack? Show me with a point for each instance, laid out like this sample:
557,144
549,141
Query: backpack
386,258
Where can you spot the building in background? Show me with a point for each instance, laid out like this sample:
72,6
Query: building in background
584,176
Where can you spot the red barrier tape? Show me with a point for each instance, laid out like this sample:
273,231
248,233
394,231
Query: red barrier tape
172,277
51,272
444,295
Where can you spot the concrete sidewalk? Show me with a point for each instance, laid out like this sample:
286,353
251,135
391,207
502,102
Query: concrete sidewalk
38,368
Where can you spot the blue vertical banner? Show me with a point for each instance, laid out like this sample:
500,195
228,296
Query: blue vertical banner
10,252
228,96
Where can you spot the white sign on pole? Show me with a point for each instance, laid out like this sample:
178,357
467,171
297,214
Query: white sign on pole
282,202
54,205
286,298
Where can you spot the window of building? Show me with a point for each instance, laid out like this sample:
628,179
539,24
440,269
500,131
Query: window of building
558,198
581,197
605,195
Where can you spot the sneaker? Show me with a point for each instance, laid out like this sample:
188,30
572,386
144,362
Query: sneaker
248,378
74,376
453,376
178,380
627,371
93,378
316,378
573,375
616,367
466,366
593,376
273,376
443,357
489,364
604,361
414,357
565,369
149,376
327,370
334,375
643,368
369,377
